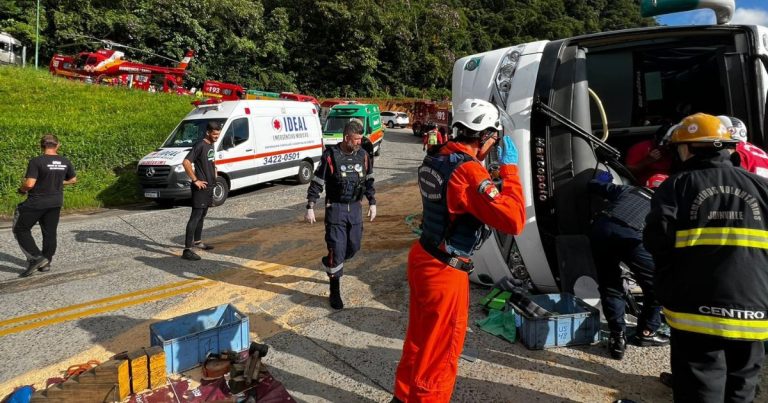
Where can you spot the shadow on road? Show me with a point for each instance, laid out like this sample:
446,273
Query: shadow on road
19,262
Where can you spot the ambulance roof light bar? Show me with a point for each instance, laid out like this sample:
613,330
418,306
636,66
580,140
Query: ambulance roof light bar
212,103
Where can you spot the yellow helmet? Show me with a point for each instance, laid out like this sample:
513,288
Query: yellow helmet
701,128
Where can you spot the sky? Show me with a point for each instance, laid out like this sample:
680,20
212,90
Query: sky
748,12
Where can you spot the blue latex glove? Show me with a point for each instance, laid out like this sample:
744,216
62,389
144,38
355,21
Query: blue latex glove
604,177
507,151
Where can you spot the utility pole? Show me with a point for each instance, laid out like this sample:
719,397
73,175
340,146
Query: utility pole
37,34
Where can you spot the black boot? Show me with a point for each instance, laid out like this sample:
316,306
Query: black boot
335,297
617,343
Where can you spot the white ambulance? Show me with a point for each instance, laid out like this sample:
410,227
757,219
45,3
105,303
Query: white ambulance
260,141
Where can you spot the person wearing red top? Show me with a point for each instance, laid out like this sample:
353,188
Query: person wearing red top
646,158
747,155
459,199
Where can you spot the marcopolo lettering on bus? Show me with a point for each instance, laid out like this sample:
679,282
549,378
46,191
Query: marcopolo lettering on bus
731,312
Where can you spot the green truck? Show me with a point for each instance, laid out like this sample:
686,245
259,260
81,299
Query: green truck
339,115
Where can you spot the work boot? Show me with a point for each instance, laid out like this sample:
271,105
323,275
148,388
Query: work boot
650,339
617,343
203,246
34,264
189,255
335,297
666,378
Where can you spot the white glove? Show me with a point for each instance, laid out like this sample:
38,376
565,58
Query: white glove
372,211
310,216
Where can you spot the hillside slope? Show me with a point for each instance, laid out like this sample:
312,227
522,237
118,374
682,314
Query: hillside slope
104,131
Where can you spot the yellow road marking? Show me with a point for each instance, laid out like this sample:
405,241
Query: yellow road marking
55,316
96,302
108,308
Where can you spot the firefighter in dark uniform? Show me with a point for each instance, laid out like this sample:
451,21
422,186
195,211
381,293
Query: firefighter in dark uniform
346,172
617,236
708,235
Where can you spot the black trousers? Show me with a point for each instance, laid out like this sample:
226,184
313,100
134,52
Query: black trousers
25,218
195,226
713,369
613,243
201,199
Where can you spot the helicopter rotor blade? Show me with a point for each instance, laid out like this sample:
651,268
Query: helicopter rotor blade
109,44
70,45
119,45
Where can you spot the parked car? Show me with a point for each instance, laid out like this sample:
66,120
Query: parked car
392,119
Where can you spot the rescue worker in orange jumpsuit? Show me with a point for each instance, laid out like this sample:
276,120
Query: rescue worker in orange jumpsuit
459,199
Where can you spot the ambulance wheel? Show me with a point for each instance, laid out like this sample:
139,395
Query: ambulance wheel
220,191
165,203
305,173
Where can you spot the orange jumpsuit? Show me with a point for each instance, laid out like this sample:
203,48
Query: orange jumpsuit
439,294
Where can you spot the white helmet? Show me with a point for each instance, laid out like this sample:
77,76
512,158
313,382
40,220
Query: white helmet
476,115
736,128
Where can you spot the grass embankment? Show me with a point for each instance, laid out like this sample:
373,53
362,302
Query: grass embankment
104,131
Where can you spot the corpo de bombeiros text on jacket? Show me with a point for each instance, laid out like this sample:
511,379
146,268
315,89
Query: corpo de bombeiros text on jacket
708,234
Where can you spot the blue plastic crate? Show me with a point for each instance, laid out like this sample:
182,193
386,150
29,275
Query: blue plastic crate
187,339
573,322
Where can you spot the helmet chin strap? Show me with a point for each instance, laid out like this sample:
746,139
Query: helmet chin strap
486,136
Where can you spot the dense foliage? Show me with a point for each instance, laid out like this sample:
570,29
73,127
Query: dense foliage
320,47
104,131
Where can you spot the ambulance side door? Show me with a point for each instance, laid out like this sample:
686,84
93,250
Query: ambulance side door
235,155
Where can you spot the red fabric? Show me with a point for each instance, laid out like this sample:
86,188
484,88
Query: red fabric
638,153
439,294
753,158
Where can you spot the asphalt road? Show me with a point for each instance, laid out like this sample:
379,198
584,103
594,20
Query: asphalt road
118,271
112,253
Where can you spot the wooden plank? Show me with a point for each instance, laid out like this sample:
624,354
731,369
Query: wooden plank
75,391
112,372
156,366
139,370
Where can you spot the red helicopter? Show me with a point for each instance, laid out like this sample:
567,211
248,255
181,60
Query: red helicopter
107,66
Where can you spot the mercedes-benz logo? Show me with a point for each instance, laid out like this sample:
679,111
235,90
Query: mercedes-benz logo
150,172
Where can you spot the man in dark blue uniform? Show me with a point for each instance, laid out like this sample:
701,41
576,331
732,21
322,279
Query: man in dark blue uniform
617,236
346,172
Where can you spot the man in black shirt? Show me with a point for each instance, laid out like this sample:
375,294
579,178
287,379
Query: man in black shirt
44,186
203,177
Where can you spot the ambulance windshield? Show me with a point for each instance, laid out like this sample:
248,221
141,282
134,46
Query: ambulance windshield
189,132
336,124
